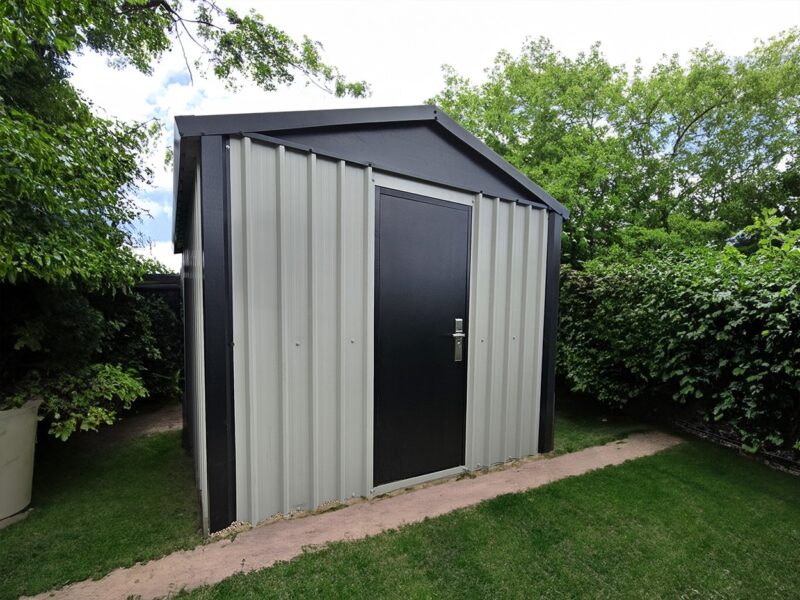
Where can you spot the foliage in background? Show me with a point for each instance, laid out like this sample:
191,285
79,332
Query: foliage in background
679,234
146,334
86,356
715,138
719,330
68,176
68,180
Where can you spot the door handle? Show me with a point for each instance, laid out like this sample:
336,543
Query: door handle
458,339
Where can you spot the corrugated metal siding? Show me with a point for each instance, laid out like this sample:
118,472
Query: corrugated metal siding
302,292
303,282
193,316
505,342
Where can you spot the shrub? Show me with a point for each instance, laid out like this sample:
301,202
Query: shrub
146,335
681,233
715,328
83,400
86,355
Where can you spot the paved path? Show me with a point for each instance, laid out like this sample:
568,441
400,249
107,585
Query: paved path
263,546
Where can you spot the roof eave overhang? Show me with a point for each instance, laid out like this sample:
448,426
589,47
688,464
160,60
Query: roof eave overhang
185,156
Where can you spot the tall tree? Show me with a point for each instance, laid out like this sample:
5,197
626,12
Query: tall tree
715,138
68,179
67,176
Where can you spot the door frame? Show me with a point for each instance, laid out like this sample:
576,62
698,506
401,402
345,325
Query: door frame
425,191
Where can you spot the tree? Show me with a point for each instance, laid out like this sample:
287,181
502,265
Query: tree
716,138
68,177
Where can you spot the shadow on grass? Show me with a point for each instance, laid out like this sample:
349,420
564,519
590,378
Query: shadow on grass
97,507
581,423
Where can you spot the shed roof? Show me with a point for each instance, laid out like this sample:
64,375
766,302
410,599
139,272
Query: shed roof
418,141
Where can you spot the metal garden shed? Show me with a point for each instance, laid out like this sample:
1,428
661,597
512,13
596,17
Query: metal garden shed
370,299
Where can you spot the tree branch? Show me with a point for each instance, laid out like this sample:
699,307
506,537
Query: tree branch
183,51
691,124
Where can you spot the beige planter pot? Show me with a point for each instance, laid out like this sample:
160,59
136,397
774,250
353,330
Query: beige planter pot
17,441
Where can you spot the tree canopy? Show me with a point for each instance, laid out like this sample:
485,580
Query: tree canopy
68,179
714,138
68,176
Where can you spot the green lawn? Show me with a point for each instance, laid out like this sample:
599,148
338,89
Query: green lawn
97,508
695,521
577,428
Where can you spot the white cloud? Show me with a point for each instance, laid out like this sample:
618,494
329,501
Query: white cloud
155,208
162,252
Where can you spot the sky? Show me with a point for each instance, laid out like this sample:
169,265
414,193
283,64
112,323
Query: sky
400,47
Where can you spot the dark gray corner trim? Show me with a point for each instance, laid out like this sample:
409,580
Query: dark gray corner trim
552,277
218,331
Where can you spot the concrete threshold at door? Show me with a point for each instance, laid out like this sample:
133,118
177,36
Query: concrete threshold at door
267,544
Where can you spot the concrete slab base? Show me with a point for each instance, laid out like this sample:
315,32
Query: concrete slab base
262,546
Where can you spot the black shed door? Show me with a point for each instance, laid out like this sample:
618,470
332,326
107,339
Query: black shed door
422,281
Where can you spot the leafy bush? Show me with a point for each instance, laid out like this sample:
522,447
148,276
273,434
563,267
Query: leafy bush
680,233
147,336
715,328
86,356
82,400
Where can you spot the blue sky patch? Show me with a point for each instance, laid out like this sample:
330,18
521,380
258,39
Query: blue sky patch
179,77
158,226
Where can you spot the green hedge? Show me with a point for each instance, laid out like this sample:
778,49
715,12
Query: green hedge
87,355
715,329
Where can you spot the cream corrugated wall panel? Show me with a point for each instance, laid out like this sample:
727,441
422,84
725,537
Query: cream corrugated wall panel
193,266
302,340
294,242
506,313
533,327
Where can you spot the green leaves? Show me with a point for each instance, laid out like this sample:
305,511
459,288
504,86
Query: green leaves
86,355
717,330
68,180
245,46
67,200
67,176
714,139
83,400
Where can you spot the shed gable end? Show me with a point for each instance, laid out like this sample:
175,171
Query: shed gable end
420,149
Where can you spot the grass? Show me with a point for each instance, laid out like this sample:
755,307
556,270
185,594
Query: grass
577,428
96,509
695,521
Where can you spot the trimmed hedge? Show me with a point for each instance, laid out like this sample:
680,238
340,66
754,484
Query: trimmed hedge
717,329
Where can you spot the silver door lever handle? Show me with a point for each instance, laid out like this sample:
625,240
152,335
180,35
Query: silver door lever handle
458,338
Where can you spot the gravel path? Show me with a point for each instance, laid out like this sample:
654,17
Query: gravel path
264,545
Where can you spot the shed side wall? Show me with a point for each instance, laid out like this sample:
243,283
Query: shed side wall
195,356
302,289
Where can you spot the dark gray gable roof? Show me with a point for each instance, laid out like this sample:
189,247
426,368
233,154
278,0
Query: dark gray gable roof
418,141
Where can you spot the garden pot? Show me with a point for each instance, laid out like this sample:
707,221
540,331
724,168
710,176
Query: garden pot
17,440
